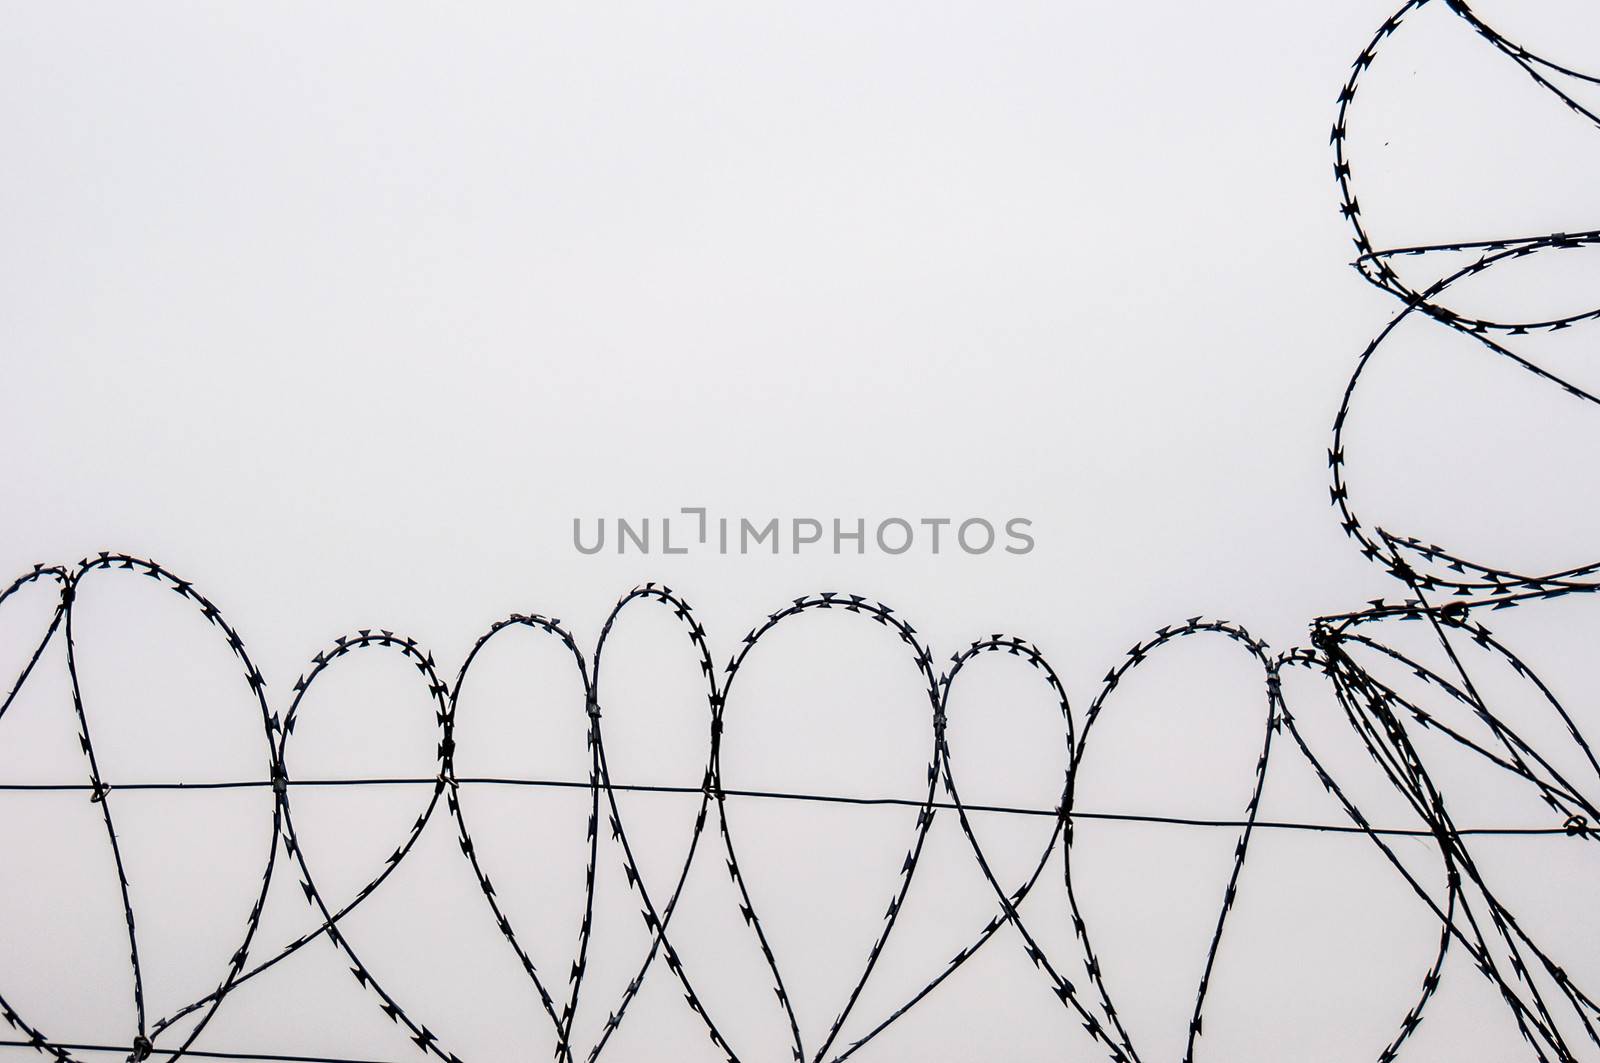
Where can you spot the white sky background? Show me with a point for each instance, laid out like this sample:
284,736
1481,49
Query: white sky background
345,313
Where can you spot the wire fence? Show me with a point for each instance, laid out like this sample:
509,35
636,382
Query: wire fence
1446,594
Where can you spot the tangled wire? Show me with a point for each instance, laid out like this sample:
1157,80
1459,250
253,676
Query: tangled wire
1442,592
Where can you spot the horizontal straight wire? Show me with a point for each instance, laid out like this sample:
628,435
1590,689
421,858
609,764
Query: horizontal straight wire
194,1052
567,784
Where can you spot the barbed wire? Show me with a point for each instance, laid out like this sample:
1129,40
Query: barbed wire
1441,591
